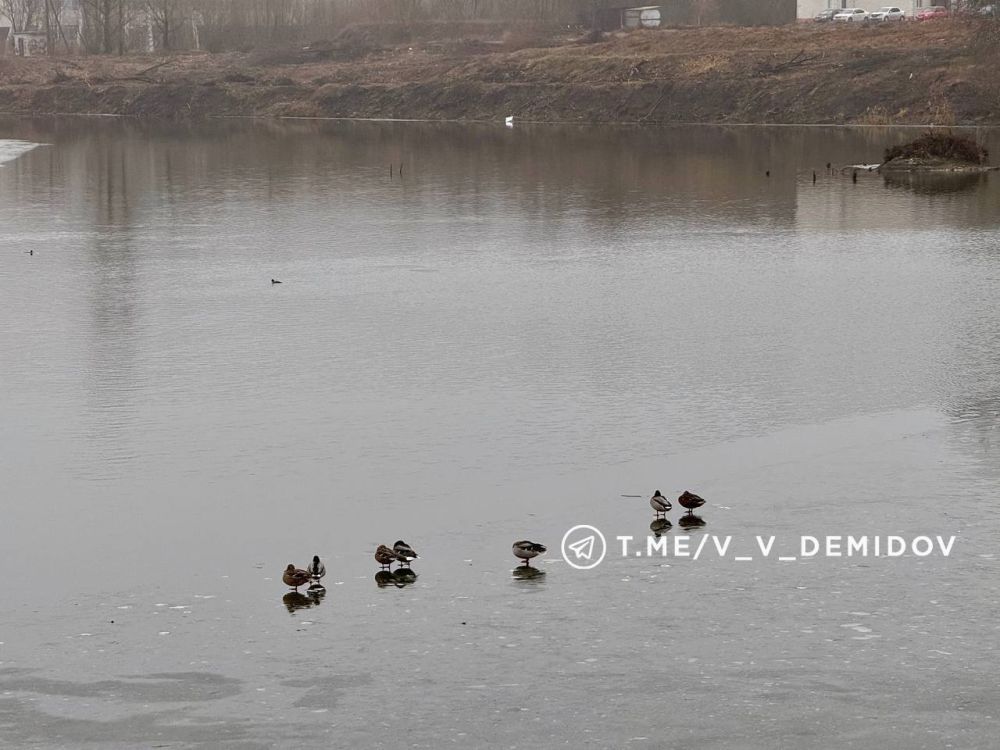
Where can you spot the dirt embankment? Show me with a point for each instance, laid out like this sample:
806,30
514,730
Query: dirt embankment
910,73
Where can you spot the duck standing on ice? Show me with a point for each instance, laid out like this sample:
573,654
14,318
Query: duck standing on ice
659,504
405,552
690,501
295,577
316,570
525,550
386,557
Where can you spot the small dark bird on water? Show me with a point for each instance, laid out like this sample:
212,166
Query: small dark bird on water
767,173
690,500
30,252
814,175
275,281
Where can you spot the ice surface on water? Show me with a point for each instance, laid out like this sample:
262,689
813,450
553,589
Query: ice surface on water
793,354
10,149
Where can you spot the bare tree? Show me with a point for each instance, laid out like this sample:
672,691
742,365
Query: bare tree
24,15
105,23
168,18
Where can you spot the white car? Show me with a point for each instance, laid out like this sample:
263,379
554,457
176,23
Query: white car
888,13
848,15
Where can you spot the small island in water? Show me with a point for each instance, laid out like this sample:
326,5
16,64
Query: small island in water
937,152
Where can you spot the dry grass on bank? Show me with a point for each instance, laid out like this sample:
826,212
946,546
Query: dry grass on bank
934,72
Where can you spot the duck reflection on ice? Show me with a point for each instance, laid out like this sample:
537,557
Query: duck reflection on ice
399,578
690,521
660,526
527,573
295,600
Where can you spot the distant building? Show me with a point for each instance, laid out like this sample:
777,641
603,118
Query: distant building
28,43
646,17
63,30
681,13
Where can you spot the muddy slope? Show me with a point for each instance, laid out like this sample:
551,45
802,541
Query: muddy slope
918,73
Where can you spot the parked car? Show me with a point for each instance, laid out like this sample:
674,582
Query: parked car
935,11
826,15
849,15
887,13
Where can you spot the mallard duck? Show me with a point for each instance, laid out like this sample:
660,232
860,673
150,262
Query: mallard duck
690,500
386,557
295,577
659,503
405,552
526,550
316,569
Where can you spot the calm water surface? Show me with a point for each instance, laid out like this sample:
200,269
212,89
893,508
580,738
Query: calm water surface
498,344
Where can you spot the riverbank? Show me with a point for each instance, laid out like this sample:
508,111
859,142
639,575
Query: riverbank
911,73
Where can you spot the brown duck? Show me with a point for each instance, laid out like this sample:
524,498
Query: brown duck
295,577
385,556
690,501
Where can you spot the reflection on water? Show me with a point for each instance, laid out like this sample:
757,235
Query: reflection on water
397,578
937,183
660,526
296,600
690,521
527,573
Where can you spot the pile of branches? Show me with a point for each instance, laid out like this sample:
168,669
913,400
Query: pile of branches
939,145
799,58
